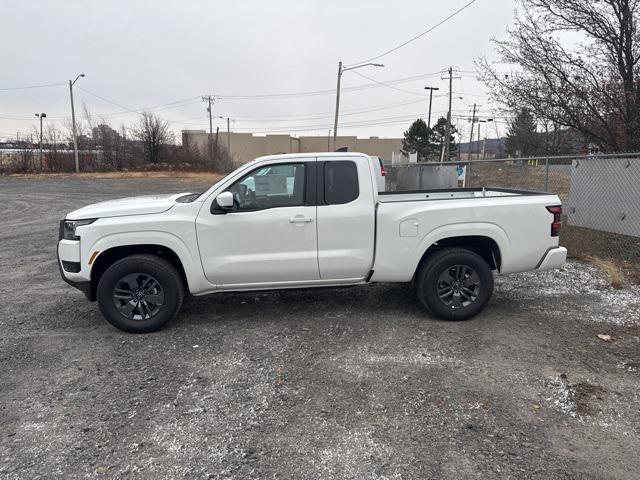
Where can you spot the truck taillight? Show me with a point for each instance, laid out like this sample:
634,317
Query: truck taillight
382,170
557,219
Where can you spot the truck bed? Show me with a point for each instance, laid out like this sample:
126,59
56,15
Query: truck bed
407,223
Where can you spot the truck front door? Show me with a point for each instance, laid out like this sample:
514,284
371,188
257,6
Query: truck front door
270,234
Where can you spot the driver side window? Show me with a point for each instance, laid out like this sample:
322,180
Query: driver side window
280,185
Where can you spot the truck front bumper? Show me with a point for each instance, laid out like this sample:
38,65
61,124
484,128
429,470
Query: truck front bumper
68,253
554,258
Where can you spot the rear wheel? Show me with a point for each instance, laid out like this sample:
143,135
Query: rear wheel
454,284
140,293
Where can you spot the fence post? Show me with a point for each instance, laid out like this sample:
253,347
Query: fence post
546,174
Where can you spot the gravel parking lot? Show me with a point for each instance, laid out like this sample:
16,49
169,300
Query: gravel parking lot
356,383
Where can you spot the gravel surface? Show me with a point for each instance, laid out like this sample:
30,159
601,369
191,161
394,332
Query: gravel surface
343,384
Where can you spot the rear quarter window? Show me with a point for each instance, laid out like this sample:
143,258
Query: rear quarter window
340,182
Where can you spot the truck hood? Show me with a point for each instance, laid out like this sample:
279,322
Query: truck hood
127,206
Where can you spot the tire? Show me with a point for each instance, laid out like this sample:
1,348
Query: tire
140,293
454,284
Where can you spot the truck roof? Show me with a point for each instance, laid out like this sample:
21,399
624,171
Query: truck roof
284,156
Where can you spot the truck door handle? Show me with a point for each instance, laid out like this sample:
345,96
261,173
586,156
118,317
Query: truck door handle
300,219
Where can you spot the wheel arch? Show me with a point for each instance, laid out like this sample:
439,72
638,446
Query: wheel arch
111,255
483,245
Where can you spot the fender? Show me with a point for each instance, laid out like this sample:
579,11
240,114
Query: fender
402,264
192,266
478,229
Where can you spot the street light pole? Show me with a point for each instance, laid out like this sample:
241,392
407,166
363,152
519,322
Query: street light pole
484,142
447,132
228,133
41,116
473,121
341,70
73,123
431,89
335,120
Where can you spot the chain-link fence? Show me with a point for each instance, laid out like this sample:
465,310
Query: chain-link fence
600,194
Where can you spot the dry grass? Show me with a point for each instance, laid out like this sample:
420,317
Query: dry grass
613,269
631,271
526,177
205,176
582,241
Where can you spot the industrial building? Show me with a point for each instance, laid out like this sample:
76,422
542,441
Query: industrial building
244,147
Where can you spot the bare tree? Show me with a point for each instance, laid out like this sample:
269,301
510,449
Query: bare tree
591,85
153,132
88,118
107,141
53,139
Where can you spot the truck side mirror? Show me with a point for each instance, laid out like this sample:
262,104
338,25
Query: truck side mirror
225,200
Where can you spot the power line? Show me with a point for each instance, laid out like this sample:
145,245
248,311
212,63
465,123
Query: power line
26,119
319,116
327,91
154,108
417,36
388,85
139,110
195,99
28,87
369,122
106,100
309,118
163,106
314,116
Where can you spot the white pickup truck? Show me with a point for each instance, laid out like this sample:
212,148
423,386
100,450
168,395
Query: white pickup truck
298,221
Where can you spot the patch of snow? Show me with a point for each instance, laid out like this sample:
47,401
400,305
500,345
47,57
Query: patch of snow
361,361
560,397
577,287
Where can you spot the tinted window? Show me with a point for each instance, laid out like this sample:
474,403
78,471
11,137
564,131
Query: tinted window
340,182
268,187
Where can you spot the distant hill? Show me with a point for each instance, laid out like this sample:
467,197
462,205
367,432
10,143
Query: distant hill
493,146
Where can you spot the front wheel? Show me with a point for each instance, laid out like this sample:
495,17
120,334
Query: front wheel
454,284
140,293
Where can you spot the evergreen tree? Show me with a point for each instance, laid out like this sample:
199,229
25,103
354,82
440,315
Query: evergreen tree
437,139
522,138
416,140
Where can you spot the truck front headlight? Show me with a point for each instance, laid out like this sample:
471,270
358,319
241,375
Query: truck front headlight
68,228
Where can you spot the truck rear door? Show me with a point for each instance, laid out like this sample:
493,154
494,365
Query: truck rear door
346,217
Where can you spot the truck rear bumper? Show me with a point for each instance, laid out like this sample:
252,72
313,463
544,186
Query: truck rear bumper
554,258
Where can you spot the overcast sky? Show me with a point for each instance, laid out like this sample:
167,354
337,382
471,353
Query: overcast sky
139,54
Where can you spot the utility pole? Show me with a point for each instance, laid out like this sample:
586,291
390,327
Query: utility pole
217,134
209,99
473,121
73,123
447,135
479,123
431,89
341,70
329,141
228,138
